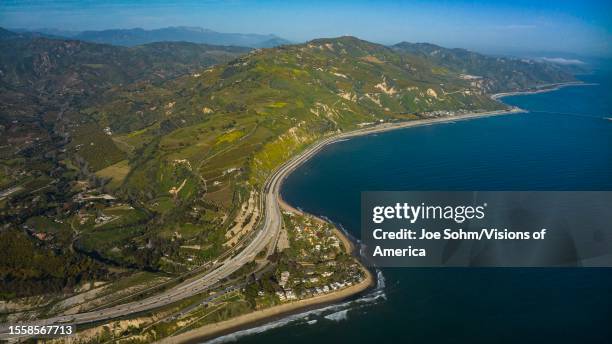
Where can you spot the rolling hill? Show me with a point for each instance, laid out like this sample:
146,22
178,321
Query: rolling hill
143,157
42,70
493,74
138,36
44,84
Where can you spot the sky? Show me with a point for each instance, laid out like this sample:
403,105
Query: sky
580,27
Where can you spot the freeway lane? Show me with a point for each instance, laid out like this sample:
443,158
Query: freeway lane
267,234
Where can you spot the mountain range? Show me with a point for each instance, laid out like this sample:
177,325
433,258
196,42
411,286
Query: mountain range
499,73
132,156
138,36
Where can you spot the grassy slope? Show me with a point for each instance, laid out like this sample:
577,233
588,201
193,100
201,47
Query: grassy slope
279,100
220,131
500,74
47,135
217,133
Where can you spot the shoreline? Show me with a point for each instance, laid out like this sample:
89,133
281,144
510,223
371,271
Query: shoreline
541,89
349,246
260,317
267,315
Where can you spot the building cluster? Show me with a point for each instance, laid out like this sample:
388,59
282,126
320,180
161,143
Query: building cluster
319,267
317,235
445,113
316,285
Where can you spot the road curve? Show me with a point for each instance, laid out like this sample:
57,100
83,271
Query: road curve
267,234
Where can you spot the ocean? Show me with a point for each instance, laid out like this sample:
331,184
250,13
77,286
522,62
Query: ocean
563,143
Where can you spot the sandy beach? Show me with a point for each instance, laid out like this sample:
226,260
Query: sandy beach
266,315
263,316
541,89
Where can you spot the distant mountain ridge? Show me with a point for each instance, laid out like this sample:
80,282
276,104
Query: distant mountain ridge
213,122
39,73
6,34
139,36
493,73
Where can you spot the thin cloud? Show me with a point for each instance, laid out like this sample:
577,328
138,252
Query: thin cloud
516,27
562,61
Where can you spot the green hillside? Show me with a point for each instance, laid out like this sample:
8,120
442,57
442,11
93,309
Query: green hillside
138,36
284,98
493,74
49,149
221,131
40,73
146,158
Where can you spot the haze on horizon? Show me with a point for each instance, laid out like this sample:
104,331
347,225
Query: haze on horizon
576,27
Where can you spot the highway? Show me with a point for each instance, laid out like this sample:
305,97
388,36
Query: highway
267,236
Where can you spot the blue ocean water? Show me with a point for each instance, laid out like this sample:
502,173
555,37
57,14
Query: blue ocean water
563,143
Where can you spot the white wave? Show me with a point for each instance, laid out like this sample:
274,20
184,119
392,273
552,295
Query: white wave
562,61
372,297
377,293
380,280
336,312
338,316
279,323
232,337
